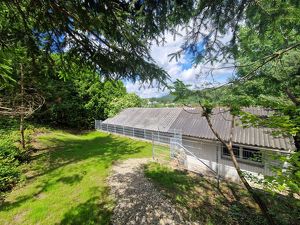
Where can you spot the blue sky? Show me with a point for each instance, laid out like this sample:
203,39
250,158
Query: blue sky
190,55
182,69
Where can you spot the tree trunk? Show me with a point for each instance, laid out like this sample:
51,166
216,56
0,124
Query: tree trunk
22,108
22,131
228,145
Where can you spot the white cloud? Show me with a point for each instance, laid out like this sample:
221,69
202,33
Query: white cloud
196,76
144,91
189,75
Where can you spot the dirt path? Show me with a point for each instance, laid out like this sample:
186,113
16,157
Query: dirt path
138,201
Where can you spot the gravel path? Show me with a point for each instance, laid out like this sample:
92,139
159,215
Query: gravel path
138,201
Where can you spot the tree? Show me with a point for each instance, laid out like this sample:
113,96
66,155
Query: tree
77,101
108,37
278,81
264,48
112,37
21,104
126,101
181,91
19,96
213,32
97,96
276,86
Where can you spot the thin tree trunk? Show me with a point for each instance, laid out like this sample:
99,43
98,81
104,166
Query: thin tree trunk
22,108
228,145
22,131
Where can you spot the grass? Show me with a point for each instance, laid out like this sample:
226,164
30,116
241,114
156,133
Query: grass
66,179
229,204
162,153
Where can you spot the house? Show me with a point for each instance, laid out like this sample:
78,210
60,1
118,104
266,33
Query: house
253,147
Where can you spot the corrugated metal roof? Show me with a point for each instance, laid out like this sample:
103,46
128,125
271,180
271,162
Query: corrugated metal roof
146,118
192,123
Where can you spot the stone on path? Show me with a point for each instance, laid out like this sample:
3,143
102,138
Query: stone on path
137,200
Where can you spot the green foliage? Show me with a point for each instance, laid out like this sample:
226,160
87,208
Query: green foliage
9,174
119,44
12,156
166,99
111,42
9,155
5,70
70,101
78,101
275,85
126,101
99,96
212,22
180,91
283,124
265,47
287,178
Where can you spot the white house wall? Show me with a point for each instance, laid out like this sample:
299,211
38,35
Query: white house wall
207,153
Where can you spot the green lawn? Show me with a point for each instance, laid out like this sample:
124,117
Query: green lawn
229,204
66,179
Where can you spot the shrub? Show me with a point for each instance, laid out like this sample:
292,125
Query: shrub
10,154
9,173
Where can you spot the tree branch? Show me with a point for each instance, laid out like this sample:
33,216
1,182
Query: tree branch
251,74
292,97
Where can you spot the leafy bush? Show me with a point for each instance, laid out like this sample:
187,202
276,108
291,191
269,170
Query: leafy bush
9,173
10,154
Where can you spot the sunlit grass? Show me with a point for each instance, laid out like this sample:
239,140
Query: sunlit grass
66,180
228,204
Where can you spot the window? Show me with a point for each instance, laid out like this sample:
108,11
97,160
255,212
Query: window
247,154
252,155
236,151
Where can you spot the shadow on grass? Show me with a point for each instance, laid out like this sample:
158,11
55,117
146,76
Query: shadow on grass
94,211
103,149
208,204
106,149
70,179
41,188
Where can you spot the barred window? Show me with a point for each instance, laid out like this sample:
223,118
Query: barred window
252,155
247,154
236,151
